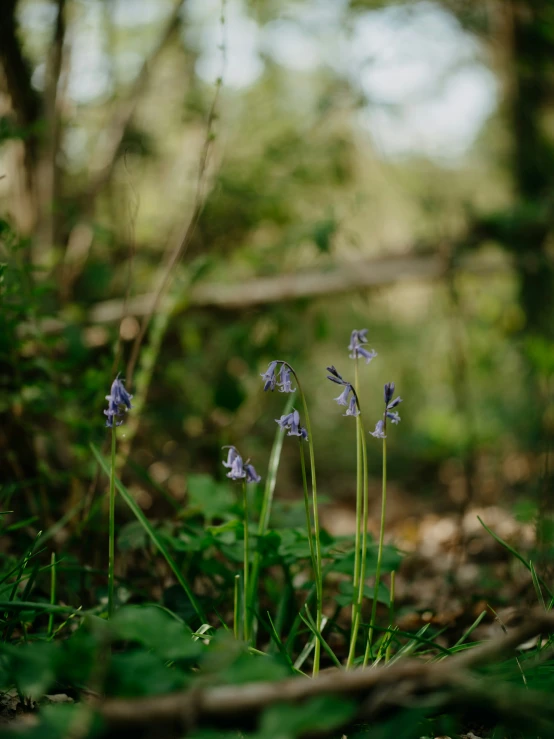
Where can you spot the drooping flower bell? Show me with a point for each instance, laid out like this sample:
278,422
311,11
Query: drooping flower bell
390,413
291,421
348,397
357,339
239,470
281,379
119,402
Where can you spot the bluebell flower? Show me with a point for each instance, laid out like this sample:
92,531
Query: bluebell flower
119,401
392,415
239,470
291,421
335,377
251,474
357,338
285,380
352,409
269,377
343,397
231,455
379,432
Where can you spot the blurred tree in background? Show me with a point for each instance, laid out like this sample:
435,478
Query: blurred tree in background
189,189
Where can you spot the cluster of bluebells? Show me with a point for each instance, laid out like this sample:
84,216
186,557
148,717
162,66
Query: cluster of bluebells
119,402
239,470
390,413
281,379
357,339
348,396
291,421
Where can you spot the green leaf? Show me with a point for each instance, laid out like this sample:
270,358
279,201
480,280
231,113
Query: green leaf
391,560
213,499
320,714
131,537
155,629
32,667
344,597
142,673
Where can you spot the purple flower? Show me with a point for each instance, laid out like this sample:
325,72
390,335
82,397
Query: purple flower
352,409
251,474
357,338
343,397
269,377
291,421
239,470
389,392
231,455
379,432
335,377
284,380
389,413
119,401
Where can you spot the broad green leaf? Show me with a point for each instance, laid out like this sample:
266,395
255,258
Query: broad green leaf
213,499
344,597
155,629
320,714
391,560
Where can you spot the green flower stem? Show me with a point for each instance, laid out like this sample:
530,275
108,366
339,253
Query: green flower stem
111,550
265,514
246,558
317,547
317,540
52,592
359,488
379,553
236,607
391,616
307,509
363,553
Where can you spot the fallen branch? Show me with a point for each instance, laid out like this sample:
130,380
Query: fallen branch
343,278
376,691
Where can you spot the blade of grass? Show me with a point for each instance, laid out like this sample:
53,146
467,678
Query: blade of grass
537,585
52,592
310,623
275,636
152,533
516,554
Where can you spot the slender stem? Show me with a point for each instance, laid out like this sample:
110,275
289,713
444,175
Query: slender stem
363,553
359,488
246,557
52,591
265,514
111,551
307,509
379,554
236,616
391,616
317,547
